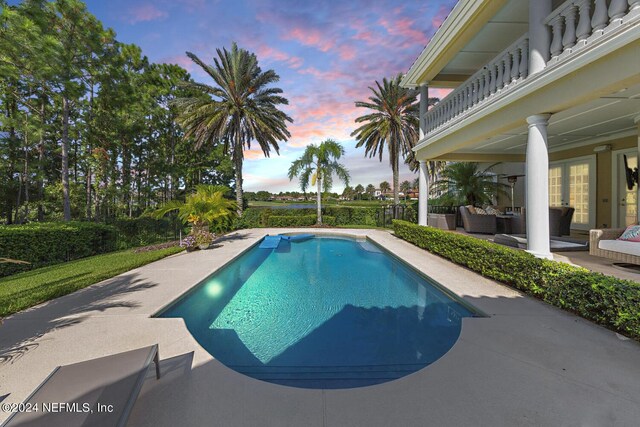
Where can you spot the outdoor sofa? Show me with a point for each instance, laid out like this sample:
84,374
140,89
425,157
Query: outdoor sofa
603,243
478,223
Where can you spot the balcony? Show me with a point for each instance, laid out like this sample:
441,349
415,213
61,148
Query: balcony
575,26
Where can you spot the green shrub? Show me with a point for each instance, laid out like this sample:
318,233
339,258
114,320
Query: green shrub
611,302
367,216
297,221
143,231
49,243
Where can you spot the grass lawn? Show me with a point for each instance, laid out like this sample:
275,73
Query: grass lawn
30,288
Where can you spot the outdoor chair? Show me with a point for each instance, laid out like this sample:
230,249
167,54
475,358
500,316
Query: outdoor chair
99,392
565,220
476,223
519,222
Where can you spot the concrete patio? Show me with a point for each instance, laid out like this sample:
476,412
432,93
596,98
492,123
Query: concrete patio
527,364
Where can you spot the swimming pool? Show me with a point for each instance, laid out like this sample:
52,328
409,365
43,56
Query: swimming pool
327,312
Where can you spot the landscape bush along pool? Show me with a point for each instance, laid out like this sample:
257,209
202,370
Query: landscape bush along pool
50,243
331,215
43,244
611,302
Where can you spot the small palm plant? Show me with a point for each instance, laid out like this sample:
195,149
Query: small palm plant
464,182
316,166
207,207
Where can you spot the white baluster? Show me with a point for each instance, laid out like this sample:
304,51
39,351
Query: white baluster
524,61
600,16
487,77
516,64
617,9
481,87
467,97
634,5
494,84
556,43
500,76
506,78
569,37
584,23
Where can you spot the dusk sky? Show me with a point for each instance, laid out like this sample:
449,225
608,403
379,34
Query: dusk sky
327,53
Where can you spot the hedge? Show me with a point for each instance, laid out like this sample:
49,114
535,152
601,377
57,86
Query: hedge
143,231
298,221
611,302
49,243
368,216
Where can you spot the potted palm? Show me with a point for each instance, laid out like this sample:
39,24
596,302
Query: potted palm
207,206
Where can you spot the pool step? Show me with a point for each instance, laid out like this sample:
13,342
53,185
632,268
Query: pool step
270,242
336,376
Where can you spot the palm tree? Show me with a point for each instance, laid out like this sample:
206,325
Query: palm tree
384,187
205,207
463,182
405,187
316,166
239,108
393,122
371,190
359,190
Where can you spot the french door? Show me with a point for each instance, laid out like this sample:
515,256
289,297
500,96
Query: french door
572,183
625,210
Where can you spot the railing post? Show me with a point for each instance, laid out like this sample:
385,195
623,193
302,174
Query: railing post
600,16
617,9
524,61
569,38
556,43
584,22
516,64
424,102
506,79
539,38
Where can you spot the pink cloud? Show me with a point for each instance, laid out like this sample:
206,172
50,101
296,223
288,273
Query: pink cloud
145,12
403,27
440,16
330,75
270,53
310,37
253,154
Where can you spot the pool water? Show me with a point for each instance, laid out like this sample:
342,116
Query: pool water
321,313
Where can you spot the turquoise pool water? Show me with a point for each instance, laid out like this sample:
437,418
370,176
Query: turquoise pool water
321,313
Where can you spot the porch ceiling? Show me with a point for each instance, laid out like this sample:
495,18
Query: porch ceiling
602,118
496,35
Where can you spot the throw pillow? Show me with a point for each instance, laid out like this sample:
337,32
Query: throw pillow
480,211
471,209
492,211
631,234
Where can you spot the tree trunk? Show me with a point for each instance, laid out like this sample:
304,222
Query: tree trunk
396,178
237,157
66,203
319,197
41,163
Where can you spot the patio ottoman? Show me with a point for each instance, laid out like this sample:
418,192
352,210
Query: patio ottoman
442,221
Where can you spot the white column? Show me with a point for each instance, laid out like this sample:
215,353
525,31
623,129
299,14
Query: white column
539,37
423,194
537,172
424,101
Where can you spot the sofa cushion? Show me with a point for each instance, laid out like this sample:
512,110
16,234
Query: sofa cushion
492,210
480,211
631,234
622,246
471,209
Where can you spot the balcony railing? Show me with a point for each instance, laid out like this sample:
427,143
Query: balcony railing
505,71
575,22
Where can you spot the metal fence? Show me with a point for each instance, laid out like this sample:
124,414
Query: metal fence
386,214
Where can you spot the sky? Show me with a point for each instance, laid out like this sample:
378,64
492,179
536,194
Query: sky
327,54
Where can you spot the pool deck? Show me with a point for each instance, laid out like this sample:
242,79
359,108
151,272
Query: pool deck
527,364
